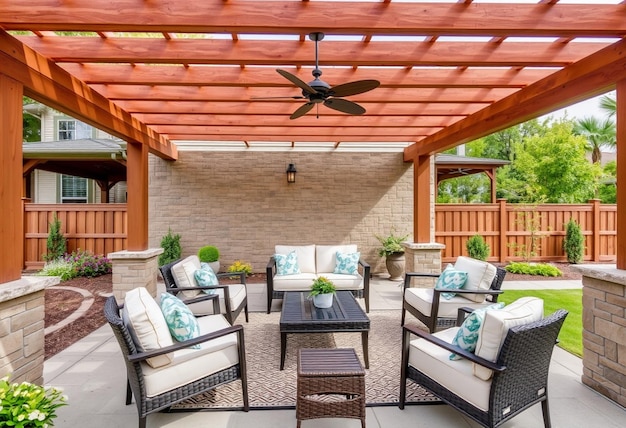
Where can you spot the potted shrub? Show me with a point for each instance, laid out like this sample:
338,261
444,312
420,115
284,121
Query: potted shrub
210,254
322,291
171,248
393,251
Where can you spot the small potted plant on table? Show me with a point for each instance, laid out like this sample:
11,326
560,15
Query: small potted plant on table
322,291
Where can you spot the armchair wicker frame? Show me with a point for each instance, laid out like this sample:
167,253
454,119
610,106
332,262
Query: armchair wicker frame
520,377
433,321
135,379
231,313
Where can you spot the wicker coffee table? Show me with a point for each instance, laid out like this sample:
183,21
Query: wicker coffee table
299,315
330,372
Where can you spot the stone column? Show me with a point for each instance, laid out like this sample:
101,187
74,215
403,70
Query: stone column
132,269
424,258
604,331
22,328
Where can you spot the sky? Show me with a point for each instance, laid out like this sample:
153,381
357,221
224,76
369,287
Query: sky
590,107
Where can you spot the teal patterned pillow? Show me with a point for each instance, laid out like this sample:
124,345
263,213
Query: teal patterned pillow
205,277
182,323
347,264
287,264
451,279
467,336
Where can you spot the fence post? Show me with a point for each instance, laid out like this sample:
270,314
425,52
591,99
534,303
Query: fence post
503,230
595,214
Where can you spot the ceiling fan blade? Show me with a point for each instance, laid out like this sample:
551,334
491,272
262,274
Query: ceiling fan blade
353,88
278,98
304,109
296,81
344,106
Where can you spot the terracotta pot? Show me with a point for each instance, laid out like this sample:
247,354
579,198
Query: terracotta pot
395,266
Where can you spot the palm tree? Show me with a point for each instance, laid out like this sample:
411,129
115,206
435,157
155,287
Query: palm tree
608,103
599,134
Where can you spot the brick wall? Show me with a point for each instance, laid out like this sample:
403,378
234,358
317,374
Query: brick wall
604,340
241,202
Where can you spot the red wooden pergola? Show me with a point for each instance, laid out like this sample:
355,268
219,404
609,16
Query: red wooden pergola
161,71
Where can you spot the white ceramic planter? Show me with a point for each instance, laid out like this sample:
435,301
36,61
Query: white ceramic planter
323,301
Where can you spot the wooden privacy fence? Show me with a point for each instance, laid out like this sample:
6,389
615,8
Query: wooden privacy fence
98,228
508,229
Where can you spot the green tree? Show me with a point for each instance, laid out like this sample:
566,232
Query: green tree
31,125
599,133
608,103
56,243
465,190
607,190
550,168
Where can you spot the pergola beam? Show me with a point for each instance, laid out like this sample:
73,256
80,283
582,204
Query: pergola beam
46,82
364,18
591,76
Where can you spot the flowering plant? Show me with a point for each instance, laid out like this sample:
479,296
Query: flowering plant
88,264
26,405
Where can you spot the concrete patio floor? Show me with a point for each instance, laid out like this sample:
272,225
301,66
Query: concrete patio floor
92,374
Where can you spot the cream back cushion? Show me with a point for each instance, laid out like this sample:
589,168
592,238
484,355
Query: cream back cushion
304,253
497,324
183,272
145,322
480,275
326,256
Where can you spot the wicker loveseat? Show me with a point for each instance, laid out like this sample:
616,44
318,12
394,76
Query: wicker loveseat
505,375
312,261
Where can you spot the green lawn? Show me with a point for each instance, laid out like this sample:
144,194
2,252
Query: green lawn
570,337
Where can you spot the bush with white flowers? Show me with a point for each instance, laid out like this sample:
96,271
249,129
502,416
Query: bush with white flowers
26,405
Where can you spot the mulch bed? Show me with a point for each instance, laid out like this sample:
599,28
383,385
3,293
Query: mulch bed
59,304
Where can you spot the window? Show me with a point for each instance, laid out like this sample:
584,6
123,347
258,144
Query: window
70,129
73,190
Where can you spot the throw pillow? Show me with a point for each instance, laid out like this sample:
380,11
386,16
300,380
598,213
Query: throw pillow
347,264
287,264
182,323
205,277
451,279
467,336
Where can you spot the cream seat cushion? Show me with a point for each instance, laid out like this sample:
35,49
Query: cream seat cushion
480,275
237,293
147,326
496,325
422,300
189,364
455,375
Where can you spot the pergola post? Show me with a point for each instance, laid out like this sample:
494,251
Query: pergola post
620,136
137,173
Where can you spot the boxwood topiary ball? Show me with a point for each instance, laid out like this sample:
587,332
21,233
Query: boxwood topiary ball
208,254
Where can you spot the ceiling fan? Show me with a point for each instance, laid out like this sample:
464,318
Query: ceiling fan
319,92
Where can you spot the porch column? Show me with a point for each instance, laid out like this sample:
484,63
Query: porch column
424,255
620,134
137,173
11,220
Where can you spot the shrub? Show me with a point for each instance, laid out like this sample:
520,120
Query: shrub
574,242
59,267
88,265
28,405
208,254
56,244
171,248
240,266
542,269
477,248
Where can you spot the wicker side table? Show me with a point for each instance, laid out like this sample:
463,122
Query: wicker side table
331,384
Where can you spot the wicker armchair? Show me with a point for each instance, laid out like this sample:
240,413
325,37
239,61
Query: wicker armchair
141,378
427,305
520,372
204,304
